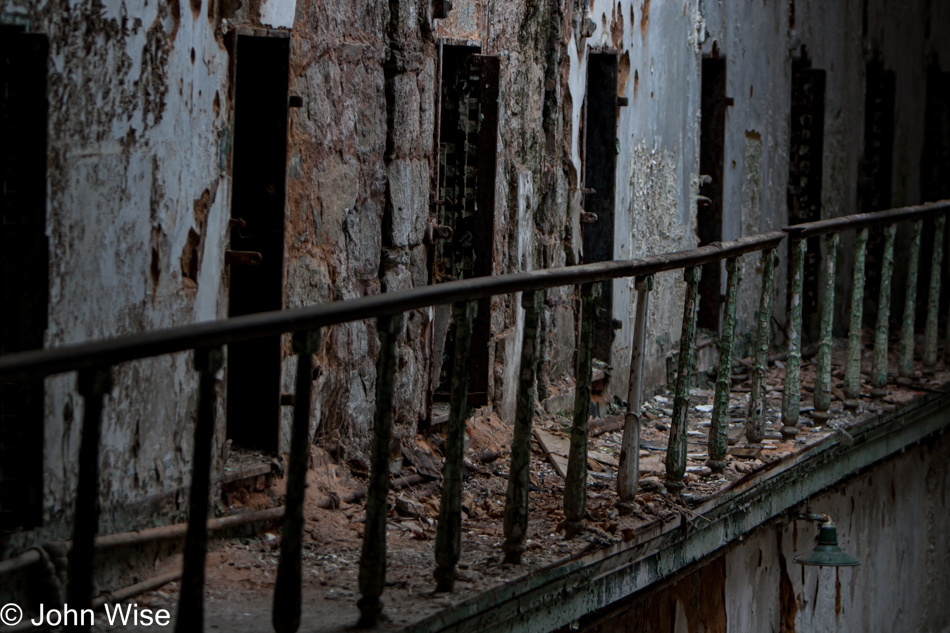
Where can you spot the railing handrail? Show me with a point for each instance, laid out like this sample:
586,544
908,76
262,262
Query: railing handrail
863,220
104,353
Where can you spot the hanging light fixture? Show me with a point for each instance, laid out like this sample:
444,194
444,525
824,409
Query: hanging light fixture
826,552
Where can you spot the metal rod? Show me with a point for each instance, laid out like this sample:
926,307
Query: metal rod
40,363
879,371
93,387
133,591
718,443
755,416
791,397
933,298
287,588
676,452
448,540
372,577
864,220
905,359
575,484
822,389
516,501
628,473
852,371
191,596
27,558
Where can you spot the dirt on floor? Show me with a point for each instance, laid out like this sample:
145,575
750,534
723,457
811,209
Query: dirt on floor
241,571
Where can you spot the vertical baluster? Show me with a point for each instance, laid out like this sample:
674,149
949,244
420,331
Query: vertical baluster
287,589
93,385
575,486
718,443
516,501
191,596
852,372
676,451
448,541
933,299
755,416
822,388
879,371
791,398
372,578
905,359
628,473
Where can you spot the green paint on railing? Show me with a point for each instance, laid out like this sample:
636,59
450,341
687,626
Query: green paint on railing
719,427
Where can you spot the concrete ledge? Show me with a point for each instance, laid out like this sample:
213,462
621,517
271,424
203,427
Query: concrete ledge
551,598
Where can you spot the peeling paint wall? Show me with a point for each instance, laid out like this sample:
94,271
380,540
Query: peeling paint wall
137,221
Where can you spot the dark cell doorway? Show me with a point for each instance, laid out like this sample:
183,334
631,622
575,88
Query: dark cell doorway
24,269
600,177
261,66
712,145
877,167
468,147
934,173
806,147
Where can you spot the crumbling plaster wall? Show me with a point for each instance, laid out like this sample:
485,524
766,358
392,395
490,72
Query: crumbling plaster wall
138,105
893,518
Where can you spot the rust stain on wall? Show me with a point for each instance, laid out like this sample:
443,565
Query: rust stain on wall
644,17
788,602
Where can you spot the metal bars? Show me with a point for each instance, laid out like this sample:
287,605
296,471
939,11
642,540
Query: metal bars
191,599
448,541
755,416
676,451
287,589
822,387
718,442
879,370
791,397
628,472
372,576
575,485
905,359
516,500
852,372
933,299
93,387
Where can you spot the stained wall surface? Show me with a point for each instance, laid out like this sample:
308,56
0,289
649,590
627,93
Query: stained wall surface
139,186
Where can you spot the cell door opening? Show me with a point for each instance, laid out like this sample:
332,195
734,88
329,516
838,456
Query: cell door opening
804,177
877,167
261,67
465,204
600,181
712,142
24,269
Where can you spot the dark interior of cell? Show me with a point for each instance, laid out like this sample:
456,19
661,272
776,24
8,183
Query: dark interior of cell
24,269
257,199
600,176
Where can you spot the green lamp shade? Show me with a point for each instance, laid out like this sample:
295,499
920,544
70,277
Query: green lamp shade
826,552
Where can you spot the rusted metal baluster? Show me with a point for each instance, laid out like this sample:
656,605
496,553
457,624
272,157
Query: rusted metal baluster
628,473
372,577
516,502
879,371
676,451
718,443
287,589
448,541
822,389
852,370
791,398
191,596
905,358
933,299
755,416
575,486
93,385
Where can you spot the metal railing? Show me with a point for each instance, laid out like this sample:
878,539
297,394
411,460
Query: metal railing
94,361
